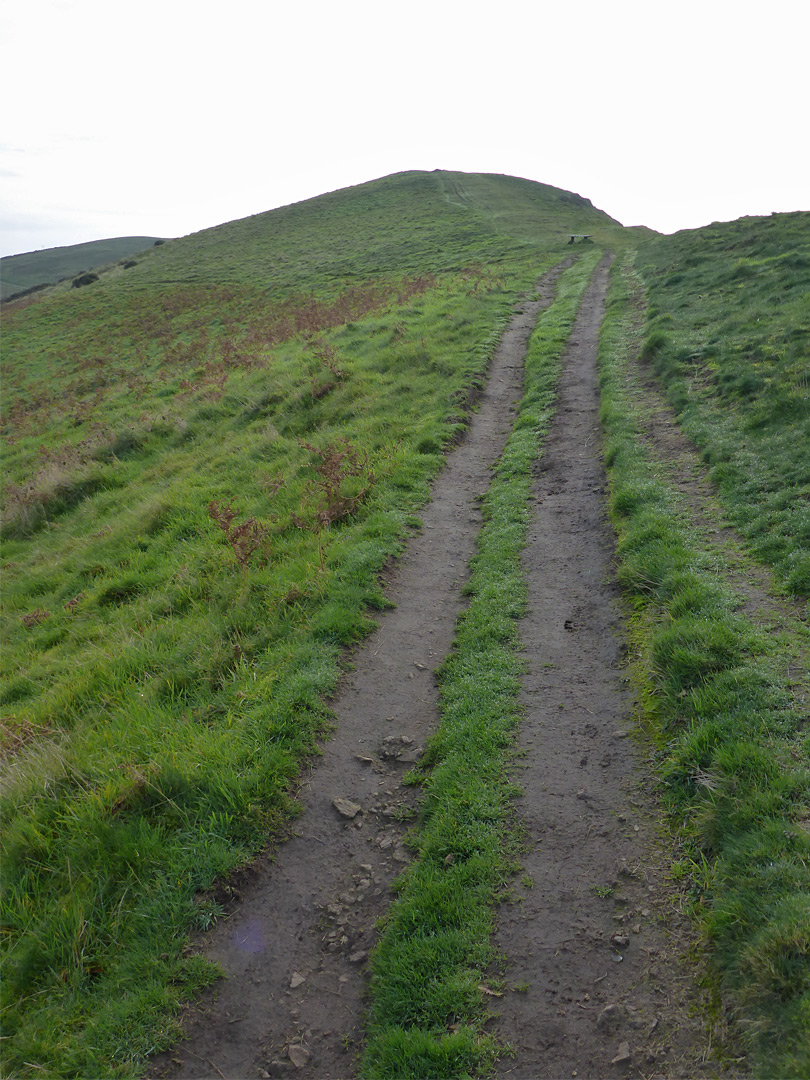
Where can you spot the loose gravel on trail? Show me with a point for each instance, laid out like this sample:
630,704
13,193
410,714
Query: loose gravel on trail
595,984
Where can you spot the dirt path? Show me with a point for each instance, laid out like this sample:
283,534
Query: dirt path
294,950
597,985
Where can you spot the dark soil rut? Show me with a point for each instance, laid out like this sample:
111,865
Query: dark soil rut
596,981
294,950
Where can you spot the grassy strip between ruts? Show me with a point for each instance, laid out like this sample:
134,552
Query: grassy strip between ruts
729,733
427,1008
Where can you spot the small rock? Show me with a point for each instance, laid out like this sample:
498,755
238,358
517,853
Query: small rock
622,1055
420,667
298,1055
620,941
401,854
358,957
346,808
449,859
609,1017
296,980
637,928
277,1069
364,758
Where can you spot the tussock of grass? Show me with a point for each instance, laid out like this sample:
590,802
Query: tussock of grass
427,1010
732,758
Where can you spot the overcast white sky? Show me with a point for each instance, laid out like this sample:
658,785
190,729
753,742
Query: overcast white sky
163,117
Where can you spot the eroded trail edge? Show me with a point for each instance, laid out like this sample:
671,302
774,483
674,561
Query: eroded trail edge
294,952
596,985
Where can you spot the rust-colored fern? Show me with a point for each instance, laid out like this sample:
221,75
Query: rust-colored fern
246,539
335,464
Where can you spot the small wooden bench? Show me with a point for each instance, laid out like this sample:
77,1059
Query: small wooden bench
584,237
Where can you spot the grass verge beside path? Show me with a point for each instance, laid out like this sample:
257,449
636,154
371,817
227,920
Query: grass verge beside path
427,1004
732,749
728,332
162,678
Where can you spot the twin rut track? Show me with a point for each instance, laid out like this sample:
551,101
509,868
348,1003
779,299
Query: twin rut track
595,982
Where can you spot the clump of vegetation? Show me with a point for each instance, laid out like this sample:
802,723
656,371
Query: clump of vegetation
246,539
332,495
86,278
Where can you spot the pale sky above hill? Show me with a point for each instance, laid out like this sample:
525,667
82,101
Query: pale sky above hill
168,116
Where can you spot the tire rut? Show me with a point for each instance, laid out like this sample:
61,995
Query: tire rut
294,950
596,981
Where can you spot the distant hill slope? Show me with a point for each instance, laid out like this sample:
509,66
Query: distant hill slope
20,272
407,222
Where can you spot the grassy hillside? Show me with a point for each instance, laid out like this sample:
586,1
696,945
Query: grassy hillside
209,458
723,679
22,272
729,334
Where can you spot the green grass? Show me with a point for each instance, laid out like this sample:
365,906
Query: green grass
733,749
427,1012
35,268
729,333
289,382
161,683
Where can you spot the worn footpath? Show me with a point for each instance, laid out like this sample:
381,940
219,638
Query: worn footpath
294,949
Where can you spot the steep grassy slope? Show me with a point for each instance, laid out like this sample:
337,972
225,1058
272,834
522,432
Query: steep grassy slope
21,272
729,333
210,456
